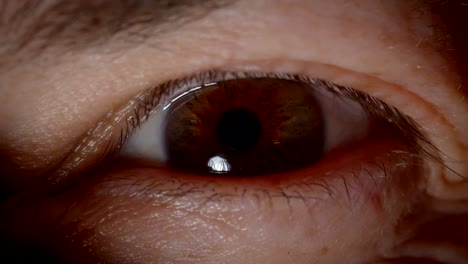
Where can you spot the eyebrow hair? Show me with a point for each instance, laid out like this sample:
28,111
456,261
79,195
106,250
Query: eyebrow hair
35,25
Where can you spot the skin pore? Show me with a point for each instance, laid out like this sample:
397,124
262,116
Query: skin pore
57,82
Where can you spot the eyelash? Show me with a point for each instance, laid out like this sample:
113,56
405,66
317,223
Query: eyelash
374,107
154,99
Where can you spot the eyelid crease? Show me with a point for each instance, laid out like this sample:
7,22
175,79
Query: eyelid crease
147,102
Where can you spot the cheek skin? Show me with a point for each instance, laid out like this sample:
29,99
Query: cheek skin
146,215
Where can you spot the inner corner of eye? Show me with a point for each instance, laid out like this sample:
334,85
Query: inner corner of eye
254,125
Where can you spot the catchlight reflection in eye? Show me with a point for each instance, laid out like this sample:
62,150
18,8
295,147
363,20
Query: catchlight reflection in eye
248,127
219,164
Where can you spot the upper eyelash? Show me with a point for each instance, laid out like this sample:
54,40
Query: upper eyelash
374,107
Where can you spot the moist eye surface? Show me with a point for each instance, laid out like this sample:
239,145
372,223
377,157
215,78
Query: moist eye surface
251,126
255,124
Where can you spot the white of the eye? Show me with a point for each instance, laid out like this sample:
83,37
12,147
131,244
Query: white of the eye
146,142
345,119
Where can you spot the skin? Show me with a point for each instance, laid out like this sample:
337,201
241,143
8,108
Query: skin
388,49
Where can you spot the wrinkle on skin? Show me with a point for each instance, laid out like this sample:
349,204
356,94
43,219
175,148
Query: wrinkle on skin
110,80
36,27
385,49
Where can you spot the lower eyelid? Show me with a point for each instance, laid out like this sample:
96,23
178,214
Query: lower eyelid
368,189
351,181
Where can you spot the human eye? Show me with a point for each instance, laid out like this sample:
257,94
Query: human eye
236,139
244,123
286,136
238,125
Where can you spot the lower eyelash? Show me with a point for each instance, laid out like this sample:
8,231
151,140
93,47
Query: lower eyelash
366,181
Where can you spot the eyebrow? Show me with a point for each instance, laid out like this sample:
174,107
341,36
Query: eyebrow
35,25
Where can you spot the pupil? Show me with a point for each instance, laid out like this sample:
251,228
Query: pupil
238,130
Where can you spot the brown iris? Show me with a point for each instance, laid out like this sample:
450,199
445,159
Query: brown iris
245,127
